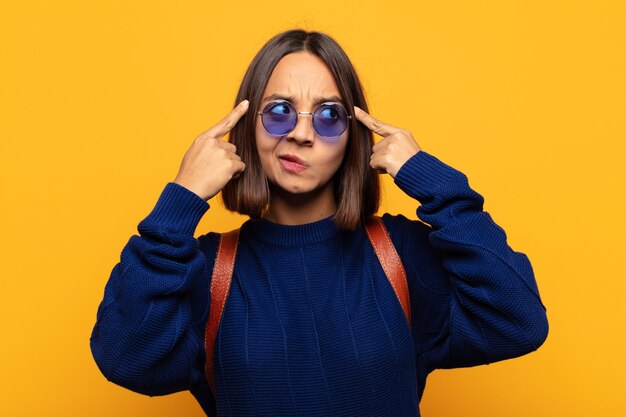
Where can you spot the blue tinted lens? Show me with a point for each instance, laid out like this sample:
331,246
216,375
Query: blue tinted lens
330,120
279,118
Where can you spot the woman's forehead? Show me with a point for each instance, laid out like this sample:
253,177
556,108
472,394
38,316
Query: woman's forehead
301,77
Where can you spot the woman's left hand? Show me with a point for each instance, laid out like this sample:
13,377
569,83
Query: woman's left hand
396,147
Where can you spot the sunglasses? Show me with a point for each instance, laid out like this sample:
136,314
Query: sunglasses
280,117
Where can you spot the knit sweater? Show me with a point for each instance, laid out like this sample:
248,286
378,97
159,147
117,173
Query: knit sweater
312,326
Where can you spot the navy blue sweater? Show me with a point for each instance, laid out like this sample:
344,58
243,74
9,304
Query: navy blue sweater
312,326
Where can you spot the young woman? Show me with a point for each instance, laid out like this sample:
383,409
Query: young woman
312,325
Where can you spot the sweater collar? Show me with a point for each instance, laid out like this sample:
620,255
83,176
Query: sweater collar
289,235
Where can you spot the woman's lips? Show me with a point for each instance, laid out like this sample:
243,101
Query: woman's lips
293,164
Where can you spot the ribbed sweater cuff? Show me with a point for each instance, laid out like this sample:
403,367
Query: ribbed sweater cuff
423,174
178,209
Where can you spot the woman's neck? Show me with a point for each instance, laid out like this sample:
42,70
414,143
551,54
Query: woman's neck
293,209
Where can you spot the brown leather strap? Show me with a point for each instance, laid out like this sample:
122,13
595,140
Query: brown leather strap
390,261
220,285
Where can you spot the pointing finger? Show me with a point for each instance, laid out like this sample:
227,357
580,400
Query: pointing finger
373,124
227,123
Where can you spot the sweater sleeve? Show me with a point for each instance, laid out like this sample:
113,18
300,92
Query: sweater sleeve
474,299
148,334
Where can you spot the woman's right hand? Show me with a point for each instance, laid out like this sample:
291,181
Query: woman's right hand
210,162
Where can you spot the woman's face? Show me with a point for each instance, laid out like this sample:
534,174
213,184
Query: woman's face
300,161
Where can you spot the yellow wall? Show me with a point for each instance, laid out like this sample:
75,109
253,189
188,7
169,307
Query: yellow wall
100,100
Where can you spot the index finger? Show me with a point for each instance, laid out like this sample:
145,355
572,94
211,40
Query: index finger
373,124
227,123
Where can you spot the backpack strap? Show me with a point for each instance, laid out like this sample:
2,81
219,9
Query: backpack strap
225,261
390,261
220,285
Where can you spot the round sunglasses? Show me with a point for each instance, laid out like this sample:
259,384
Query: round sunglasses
280,117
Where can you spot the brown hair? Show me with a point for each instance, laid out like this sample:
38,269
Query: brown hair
356,184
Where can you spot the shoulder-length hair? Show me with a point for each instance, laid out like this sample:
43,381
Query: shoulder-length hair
356,184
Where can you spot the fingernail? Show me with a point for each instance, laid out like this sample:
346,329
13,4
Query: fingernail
356,109
245,103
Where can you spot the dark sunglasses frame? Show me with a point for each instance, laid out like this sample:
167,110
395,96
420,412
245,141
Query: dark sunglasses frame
298,113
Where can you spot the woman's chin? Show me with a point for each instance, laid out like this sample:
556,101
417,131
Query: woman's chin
299,188
295,189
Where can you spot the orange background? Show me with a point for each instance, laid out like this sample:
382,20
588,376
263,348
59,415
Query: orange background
100,100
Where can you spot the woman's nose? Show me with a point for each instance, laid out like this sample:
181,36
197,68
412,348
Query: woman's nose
303,133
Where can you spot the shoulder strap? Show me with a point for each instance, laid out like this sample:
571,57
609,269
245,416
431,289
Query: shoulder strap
225,261
220,285
390,261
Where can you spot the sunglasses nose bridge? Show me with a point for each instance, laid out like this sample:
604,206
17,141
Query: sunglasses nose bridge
304,113
300,133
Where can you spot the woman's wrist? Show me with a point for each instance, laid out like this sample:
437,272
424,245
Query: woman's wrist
178,210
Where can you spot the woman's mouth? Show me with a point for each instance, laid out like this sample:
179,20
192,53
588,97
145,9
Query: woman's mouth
292,164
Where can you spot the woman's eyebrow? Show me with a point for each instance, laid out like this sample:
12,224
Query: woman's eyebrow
316,100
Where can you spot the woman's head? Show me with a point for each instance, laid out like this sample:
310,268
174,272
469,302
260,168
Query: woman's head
304,66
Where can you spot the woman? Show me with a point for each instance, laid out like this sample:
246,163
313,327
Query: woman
311,325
